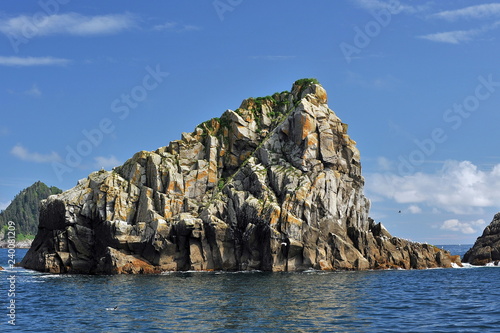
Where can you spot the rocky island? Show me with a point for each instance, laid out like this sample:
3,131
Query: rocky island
486,249
274,185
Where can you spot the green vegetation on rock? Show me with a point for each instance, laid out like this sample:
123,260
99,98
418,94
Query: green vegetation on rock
23,210
306,81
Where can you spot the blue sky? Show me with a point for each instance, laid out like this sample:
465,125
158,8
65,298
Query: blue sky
87,84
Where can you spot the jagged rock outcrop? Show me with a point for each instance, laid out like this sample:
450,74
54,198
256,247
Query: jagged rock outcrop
486,249
275,185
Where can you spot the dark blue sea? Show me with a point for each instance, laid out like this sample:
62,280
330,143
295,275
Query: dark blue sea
434,300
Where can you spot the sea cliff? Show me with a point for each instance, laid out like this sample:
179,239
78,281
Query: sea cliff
274,185
486,249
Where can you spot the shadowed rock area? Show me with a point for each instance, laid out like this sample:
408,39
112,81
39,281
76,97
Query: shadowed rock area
275,185
486,249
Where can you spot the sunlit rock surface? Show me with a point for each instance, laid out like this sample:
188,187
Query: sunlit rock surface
275,185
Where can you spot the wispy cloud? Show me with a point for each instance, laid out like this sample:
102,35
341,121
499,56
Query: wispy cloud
33,92
394,7
470,227
24,154
176,27
33,61
471,12
384,164
106,162
476,12
459,187
67,24
460,36
453,37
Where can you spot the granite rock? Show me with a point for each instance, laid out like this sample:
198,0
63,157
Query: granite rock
486,249
275,185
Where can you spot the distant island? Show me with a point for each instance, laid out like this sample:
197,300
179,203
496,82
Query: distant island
24,211
274,185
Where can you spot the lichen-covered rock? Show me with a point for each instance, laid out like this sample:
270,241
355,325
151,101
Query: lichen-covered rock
486,249
275,185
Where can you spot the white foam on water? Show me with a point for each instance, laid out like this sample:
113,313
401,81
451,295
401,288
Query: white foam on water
50,276
246,272
210,272
492,264
182,272
467,265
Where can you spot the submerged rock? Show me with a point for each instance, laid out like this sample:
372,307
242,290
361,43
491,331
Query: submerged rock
275,185
486,249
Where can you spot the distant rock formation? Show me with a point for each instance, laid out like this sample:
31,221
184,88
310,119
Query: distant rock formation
275,185
24,208
486,249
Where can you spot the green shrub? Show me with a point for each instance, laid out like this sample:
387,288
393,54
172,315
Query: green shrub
306,81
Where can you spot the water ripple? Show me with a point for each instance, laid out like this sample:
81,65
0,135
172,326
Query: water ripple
445,300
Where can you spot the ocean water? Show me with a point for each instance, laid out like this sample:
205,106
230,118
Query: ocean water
434,300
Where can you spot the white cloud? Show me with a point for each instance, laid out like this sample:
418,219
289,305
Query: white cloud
463,227
33,61
384,164
106,162
471,12
414,209
459,187
67,24
174,26
453,37
25,155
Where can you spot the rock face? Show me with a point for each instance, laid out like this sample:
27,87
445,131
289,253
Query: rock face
275,185
486,249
